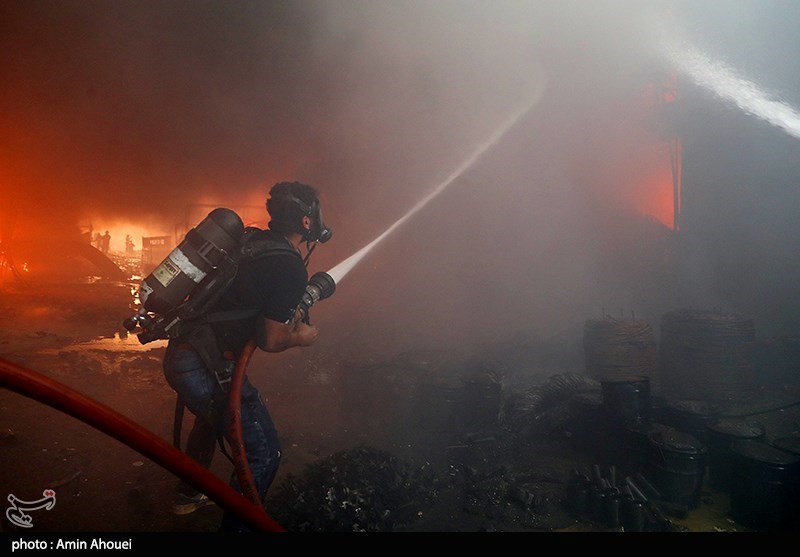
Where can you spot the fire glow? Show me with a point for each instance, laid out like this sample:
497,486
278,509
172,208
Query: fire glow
656,196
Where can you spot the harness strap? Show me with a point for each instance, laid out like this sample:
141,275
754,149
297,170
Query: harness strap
204,342
230,315
177,427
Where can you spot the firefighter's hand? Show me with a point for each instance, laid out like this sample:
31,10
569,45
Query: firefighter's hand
278,336
301,315
306,334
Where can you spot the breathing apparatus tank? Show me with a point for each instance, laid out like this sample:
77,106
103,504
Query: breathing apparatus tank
204,248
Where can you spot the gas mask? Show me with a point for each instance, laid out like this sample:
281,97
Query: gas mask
318,231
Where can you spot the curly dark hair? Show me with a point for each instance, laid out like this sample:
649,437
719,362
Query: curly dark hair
286,215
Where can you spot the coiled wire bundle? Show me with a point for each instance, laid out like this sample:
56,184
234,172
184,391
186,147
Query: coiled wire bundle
706,354
617,349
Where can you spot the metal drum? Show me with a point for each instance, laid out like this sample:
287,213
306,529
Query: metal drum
720,435
626,400
765,486
678,466
692,416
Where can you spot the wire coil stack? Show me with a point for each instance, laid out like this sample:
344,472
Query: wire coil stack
706,354
619,349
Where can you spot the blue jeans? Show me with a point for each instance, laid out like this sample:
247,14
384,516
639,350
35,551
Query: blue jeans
188,375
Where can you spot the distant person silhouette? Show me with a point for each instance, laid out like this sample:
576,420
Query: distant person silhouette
129,245
105,242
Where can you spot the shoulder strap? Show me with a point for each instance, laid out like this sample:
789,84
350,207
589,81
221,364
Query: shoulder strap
253,247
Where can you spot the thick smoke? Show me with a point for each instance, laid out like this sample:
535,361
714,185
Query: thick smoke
147,112
113,104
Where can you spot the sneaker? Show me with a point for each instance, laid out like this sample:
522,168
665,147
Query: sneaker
186,504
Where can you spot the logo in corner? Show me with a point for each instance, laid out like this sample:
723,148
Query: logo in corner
16,512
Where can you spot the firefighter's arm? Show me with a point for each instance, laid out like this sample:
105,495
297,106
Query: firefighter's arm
277,337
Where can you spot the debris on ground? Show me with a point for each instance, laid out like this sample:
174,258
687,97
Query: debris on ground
531,499
359,490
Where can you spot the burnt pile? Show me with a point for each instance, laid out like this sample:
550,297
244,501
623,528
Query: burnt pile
507,473
517,498
549,408
358,490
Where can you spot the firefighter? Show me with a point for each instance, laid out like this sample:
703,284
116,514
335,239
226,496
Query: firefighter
272,288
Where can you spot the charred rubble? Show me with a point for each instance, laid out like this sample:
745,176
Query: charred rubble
363,489
489,478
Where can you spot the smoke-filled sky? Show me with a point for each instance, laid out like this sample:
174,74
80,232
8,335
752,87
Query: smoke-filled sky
138,113
139,108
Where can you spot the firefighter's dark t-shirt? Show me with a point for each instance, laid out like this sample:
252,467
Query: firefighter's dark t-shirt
273,284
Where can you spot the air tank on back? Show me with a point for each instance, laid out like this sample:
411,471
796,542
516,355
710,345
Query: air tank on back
203,248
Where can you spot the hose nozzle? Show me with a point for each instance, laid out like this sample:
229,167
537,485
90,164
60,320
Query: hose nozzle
320,286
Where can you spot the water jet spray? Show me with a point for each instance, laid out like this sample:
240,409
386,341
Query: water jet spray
338,272
724,82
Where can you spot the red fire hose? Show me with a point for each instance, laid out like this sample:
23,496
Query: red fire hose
59,396
234,434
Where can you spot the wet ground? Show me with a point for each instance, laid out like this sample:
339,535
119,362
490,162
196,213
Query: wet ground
368,445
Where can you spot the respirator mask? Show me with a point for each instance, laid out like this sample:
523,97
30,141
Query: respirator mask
318,231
